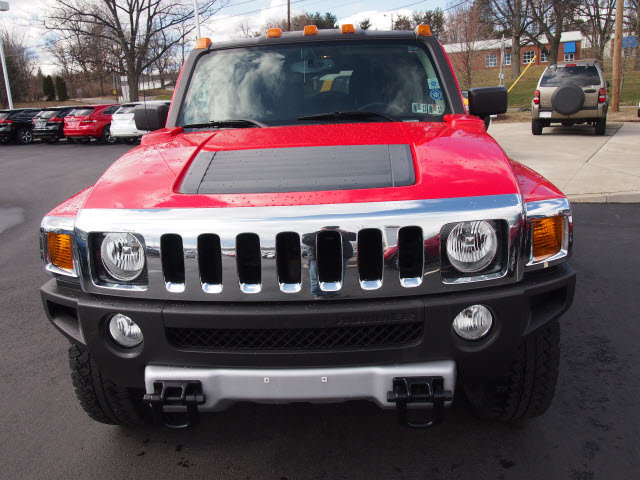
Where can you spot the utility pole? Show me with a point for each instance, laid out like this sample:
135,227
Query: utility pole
288,15
197,15
617,57
4,6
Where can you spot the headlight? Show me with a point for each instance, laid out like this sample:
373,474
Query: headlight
471,246
122,256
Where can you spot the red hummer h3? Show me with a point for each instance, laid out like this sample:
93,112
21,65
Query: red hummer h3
315,219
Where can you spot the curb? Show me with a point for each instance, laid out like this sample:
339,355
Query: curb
616,197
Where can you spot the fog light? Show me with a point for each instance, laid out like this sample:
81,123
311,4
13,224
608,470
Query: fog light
125,331
473,322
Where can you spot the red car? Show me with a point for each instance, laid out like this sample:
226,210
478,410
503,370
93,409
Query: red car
92,121
238,254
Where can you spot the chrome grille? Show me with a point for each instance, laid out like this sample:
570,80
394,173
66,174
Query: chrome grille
361,336
367,250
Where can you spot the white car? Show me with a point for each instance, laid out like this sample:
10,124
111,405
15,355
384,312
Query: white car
123,124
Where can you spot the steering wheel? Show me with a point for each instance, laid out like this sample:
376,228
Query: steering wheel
385,106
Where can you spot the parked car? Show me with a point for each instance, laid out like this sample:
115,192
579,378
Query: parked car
571,93
92,121
123,124
15,125
239,254
48,125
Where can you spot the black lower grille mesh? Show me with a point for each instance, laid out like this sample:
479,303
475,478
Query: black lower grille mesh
360,336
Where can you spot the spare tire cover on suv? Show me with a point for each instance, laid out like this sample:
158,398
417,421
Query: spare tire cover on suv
567,100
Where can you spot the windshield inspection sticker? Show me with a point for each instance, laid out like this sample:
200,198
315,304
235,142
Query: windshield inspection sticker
427,108
436,94
433,83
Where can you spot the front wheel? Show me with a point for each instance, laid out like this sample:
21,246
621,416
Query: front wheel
100,398
25,136
107,137
536,127
601,126
529,385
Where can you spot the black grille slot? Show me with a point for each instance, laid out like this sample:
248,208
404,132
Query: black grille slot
248,258
210,259
288,258
370,256
172,258
410,252
360,336
329,256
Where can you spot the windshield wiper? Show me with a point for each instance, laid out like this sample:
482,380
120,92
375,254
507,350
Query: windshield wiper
239,123
356,114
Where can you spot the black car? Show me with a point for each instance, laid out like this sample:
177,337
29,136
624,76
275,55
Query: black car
16,125
49,123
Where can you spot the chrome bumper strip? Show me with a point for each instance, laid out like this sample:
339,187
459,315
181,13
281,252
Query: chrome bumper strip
226,386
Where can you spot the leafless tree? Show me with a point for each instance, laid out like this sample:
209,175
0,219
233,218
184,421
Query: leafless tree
550,17
464,29
599,18
20,67
128,27
513,16
246,29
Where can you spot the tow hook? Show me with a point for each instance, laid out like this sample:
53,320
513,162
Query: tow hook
429,390
186,394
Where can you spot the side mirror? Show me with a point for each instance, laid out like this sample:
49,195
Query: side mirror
151,117
485,101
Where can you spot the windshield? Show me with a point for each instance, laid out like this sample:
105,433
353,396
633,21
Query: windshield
579,75
278,84
47,113
126,109
81,112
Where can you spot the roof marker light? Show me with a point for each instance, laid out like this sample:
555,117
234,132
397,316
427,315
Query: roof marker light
423,30
203,42
310,30
347,28
274,33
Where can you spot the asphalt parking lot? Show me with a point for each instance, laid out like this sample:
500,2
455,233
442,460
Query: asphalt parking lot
590,432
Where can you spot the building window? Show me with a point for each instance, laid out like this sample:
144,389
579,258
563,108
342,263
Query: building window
569,57
491,60
507,59
543,57
527,57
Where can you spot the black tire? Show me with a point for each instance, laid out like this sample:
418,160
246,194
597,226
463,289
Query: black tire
601,126
528,387
100,398
24,136
107,137
536,127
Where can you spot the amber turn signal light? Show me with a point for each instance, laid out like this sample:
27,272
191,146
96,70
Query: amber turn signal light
310,30
274,33
547,237
202,42
423,30
60,253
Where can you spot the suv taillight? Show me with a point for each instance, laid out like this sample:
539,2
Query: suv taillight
6,121
602,97
56,120
536,97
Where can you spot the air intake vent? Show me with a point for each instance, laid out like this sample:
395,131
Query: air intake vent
172,262
370,258
249,262
329,260
410,256
210,262
288,260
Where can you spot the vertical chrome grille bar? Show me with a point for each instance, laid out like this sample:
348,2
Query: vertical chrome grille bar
210,262
410,256
370,258
329,260
172,255
248,262
289,262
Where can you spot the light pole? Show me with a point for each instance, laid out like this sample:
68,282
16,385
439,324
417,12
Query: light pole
4,6
197,15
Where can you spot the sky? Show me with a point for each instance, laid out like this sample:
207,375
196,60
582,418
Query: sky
23,17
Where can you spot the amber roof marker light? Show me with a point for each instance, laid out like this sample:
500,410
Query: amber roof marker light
423,30
202,43
347,28
274,33
310,30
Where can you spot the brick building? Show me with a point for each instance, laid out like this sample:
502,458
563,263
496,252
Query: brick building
487,52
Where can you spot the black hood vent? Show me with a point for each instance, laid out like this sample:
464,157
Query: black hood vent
300,169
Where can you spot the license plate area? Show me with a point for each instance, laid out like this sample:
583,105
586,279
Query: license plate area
545,114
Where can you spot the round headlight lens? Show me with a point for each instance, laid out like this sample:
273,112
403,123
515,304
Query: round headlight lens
125,331
122,256
471,246
473,322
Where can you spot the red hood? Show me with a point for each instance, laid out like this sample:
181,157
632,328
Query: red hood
451,161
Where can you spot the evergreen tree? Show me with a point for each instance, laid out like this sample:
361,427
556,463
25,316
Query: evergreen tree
365,24
47,88
61,89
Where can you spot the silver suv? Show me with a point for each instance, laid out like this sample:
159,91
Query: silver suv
571,93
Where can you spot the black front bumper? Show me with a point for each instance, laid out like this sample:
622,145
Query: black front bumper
518,310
